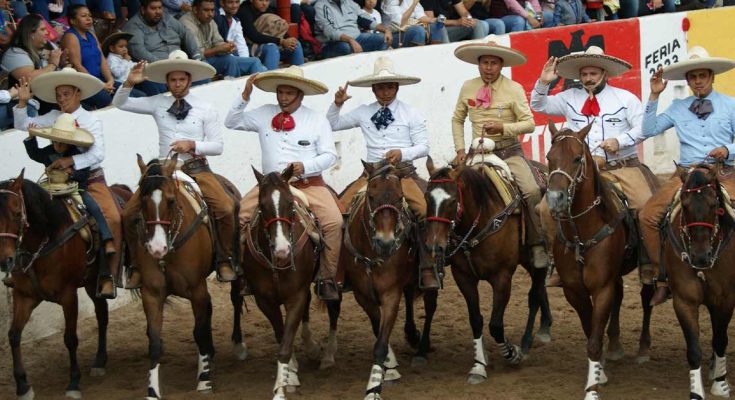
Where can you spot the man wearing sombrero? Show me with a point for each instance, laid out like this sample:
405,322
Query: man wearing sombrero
293,134
615,114
498,109
705,125
67,88
394,133
187,125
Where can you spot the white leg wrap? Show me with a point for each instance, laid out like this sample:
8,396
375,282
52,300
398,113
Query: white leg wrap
510,352
293,369
695,382
153,383
720,386
203,384
478,368
376,378
593,395
240,350
595,374
372,396
282,377
390,360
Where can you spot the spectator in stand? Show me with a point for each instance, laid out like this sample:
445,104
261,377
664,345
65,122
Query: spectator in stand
217,52
305,8
6,113
654,7
338,28
369,8
459,23
404,18
269,35
177,8
517,17
85,55
115,48
479,9
230,27
570,12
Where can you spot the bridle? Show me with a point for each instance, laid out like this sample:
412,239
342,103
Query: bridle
171,234
579,177
22,221
716,236
272,246
461,242
401,217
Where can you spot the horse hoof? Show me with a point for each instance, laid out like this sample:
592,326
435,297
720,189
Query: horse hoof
97,372
391,376
642,359
543,337
372,396
419,361
279,396
204,387
592,395
240,351
29,395
616,355
474,379
73,394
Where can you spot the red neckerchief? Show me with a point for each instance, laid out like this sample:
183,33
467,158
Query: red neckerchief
591,107
283,121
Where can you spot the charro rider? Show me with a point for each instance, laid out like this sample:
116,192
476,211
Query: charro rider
497,108
394,132
293,134
616,116
705,125
187,125
67,88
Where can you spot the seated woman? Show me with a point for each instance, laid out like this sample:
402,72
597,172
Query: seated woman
269,48
404,17
86,56
66,141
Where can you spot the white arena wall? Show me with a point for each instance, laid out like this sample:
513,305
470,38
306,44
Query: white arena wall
654,40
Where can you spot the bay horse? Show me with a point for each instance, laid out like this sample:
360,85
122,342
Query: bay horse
595,246
698,253
280,262
469,225
41,246
174,254
380,262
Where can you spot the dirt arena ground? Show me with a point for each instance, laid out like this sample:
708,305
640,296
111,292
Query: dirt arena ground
554,371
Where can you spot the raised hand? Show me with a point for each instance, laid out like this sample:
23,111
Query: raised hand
136,75
548,73
341,95
248,90
24,91
658,84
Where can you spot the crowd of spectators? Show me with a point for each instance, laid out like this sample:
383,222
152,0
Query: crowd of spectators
106,37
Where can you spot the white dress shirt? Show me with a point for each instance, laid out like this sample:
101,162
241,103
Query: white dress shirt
311,142
119,67
91,157
235,35
393,11
621,113
201,124
406,133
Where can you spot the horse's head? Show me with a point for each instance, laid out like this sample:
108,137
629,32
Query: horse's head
383,207
276,208
13,221
443,205
160,210
569,162
701,211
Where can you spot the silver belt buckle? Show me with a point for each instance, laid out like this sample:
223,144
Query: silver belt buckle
613,163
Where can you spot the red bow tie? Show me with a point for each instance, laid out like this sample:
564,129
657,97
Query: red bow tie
591,107
283,121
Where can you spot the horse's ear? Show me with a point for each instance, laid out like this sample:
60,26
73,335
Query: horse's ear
17,184
170,167
682,172
714,172
258,175
369,168
141,164
287,173
552,128
430,165
583,133
455,172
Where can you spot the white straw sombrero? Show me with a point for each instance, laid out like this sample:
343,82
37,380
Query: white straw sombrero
44,86
65,130
698,59
568,66
291,76
178,60
383,72
472,52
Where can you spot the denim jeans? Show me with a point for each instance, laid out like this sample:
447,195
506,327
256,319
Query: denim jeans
413,36
6,113
368,42
457,33
270,54
514,23
495,26
233,66
548,21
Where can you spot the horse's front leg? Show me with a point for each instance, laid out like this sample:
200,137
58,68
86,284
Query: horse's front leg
240,349
603,301
385,363
615,349
22,309
287,378
101,312
537,300
644,343
201,305
720,316
501,284
311,348
153,301
687,312
468,286
430,300
69,303
334,308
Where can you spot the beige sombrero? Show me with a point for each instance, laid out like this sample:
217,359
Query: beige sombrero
178,60
114,37
291,76
44,86
472,52
568,66
65,130
383,72
698,59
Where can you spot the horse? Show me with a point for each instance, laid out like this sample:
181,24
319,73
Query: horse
469,225
41,246
174,254
698,253
280,262
595,246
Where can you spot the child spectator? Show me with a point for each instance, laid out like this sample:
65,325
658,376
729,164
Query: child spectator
6,114
369,8
115,50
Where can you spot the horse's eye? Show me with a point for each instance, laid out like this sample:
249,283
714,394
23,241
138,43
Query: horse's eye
170,200
577,159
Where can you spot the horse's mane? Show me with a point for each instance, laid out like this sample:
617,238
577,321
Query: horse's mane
696,178
152,178
42,211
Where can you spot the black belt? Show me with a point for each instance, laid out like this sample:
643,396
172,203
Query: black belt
196,165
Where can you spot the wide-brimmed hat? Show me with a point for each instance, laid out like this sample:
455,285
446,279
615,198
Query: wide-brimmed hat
113,38
698,59
472,52
65,130
383,72
44,86
291,76
568,66
178,60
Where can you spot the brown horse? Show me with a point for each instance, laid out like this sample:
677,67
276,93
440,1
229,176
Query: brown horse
469,224
698,253
174,255
41,246
280,262
595,247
